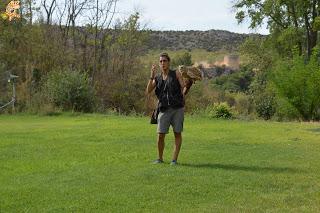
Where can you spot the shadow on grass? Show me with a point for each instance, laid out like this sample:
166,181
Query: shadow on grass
233,167
317,130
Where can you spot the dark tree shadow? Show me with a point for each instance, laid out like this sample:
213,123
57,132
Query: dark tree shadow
233,167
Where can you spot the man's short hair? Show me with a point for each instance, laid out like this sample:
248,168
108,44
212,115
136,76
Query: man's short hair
165,55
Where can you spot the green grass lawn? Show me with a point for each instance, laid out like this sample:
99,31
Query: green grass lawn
96,163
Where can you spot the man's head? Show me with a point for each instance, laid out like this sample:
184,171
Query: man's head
164,61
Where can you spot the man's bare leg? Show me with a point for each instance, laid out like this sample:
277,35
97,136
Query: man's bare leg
161,137
178,142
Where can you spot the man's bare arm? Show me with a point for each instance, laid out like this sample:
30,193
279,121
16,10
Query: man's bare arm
152,83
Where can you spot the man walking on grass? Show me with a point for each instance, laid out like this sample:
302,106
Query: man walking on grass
170,91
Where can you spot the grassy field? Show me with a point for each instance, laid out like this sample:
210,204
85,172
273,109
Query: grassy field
96,163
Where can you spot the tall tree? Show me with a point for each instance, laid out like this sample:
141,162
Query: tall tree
284,18
102,14
49,7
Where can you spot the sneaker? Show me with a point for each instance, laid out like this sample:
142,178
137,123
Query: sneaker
173,163
157,161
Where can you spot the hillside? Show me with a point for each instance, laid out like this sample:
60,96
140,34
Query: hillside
212,40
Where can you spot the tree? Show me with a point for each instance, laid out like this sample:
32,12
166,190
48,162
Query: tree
121,84
28,9
102,14
297,82
49,7
75,35
286,18
260,56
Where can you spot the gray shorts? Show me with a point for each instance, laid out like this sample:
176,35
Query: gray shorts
174,117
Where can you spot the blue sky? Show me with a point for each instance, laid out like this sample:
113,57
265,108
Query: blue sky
186,15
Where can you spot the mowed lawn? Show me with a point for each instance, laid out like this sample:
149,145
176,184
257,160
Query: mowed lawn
97,163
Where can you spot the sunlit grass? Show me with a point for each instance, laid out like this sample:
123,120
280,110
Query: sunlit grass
96,163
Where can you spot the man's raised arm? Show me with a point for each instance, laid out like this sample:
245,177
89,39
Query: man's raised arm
152,83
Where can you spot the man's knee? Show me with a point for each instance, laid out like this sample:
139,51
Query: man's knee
177,134
161,136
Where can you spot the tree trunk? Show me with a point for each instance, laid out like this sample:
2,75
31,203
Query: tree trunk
308,34
296,25
85,51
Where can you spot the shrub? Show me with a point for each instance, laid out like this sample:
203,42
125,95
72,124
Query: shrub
265,105
228,97
221,110
199,98
70,90
243,104
285,111
182,59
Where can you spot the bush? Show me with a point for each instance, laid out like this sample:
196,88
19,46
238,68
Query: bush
227,97
182,59
125,96
265,105
221,110
243,104
70,90
285,111
199,98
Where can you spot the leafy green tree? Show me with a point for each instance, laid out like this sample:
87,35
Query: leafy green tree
297,82
261,56
288,20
